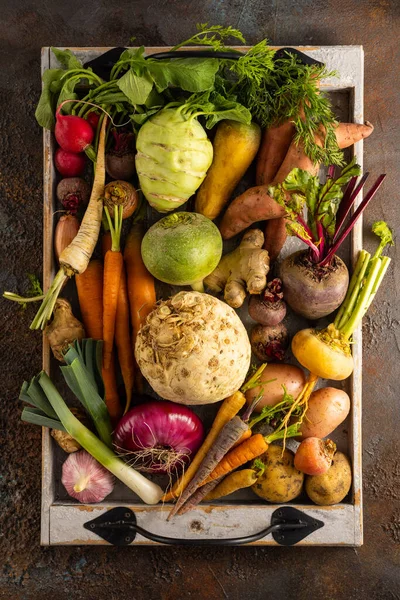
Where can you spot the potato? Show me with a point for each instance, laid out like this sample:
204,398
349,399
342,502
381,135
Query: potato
291,377
332,486
280,482
327,408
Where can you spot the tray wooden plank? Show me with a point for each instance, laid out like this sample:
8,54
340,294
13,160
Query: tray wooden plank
62,522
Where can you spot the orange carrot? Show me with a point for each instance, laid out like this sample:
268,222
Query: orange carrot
245,436
141,289
111,396
89,285
90,293
113,263
250,449
123,340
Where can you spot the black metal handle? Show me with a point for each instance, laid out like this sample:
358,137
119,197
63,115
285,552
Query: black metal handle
103,64
288,526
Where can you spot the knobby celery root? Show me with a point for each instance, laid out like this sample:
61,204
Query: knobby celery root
243,270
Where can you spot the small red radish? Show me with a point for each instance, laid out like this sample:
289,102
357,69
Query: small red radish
93,119
314,456
73,133
69,164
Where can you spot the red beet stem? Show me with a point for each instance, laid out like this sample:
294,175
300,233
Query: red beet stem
353,219
347,202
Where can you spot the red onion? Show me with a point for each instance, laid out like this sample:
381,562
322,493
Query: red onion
159,436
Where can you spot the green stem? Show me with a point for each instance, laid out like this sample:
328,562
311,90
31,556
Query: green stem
85,74
46,309
272,410
254,380
354,289
291,431
385,262
198,286
115,228
363,299
21,299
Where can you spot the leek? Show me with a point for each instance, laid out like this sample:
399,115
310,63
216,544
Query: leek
148,491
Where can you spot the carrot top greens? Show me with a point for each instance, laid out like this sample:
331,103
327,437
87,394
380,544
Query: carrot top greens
258,85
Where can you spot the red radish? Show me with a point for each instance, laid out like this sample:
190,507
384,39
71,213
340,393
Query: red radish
69,164
73,133
314,456
93,119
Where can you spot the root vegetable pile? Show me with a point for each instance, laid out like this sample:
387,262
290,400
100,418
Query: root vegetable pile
192,130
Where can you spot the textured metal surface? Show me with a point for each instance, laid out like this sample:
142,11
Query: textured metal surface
30,572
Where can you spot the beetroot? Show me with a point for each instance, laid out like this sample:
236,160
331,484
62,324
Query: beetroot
120,160
268,308
73,133
72,192
313,290
69,164
269,343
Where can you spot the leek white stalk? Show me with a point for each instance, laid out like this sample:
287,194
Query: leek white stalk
148,491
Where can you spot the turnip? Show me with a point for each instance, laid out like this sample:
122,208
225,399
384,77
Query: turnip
173,156
193,349
69,164
327,353
182,249
315,281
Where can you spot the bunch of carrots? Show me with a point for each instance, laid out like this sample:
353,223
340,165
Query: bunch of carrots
229,445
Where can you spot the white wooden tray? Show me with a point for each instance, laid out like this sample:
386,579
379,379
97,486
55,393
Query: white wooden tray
62,519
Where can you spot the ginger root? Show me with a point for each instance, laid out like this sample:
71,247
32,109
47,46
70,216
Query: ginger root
64,329
241,271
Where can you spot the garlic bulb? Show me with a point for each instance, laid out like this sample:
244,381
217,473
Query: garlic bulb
85,479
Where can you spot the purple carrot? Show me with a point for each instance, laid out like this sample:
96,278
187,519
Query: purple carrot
353,219
199,495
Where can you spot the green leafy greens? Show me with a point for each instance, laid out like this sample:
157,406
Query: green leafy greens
268,89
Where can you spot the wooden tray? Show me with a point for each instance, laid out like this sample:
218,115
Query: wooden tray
62,518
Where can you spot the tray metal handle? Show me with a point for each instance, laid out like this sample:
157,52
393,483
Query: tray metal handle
119,527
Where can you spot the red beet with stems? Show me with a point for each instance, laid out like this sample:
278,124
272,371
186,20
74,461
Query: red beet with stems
120,160
315,281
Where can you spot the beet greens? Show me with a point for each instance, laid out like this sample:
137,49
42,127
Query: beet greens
328,207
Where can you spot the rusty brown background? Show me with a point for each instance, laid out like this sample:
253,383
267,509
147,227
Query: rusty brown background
29,572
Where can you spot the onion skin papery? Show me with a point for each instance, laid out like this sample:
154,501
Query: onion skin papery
324,353
159,436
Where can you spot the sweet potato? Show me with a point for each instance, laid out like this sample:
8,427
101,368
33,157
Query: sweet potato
253,205
275,237
274,146
241,213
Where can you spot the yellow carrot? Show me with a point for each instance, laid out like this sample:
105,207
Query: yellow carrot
232,483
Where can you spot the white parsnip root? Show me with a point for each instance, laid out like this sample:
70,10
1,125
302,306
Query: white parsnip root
243,270
74,259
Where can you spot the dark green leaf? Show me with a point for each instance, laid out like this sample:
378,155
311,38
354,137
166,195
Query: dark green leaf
37,417
68,93
189,74
46,107
66,59
135,87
